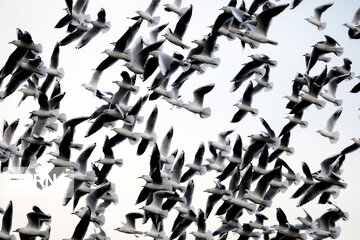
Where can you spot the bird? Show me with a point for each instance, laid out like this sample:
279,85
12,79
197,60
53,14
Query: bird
180,29
196,106
196,166
137,65
316,19
7,223
245,105
120,48
330,94
258,195
353,26
129,226
148,13
328,131
149,136
175,7
263,19
53,71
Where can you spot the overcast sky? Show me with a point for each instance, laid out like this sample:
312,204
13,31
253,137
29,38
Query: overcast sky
295,37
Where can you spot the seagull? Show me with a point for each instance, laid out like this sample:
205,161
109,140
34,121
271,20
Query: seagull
283,147
245,105
16,56
53,71
293,121
205,56
330,95
354,28
259,33
75,14
222,144
149,136
24,72
36,218
155,206
216,194
316,19
99,25
82,226
240,201
148,14
234,160
196,166
108,161
201,232
196,106
137,64
180,28
352,147
328,131
129,226
119,51
258,195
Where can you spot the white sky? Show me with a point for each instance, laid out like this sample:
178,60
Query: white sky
295,36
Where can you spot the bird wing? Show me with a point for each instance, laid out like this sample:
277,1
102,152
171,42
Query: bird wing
264,18
150,124
332,120
165,145
83,157
182,24
152,7
200,93
320,9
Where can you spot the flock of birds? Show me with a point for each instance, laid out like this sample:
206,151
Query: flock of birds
253,184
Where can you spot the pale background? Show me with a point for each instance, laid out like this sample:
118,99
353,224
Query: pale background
295,36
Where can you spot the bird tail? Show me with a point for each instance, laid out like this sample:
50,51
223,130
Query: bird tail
321,104
92,176
99,220
290,151
336,192
336,137
336,233
135,139
322,26
251,209
297,178
38,48
338,102
271,85
60,73
107,28
129,120
139,119
339,51
254,111
305,124
206,112
216,63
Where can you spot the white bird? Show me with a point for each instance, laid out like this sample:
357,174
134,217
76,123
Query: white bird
259,33
175,7
196,106
180,28
99,25
328,131
148,13
316,19
330,94
129,226
354,27
245,105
